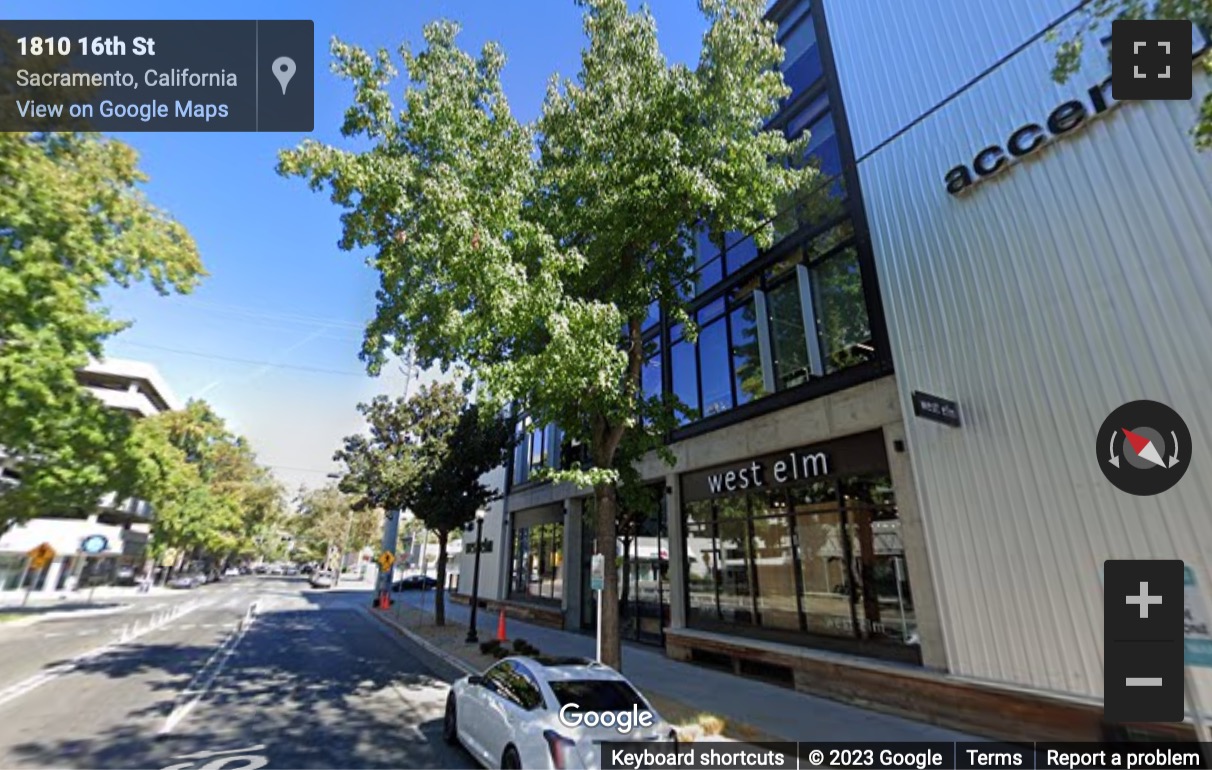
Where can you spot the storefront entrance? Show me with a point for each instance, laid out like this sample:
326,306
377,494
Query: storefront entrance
643,564
804,548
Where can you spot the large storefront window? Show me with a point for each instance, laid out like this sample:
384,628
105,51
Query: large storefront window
807,556
537,564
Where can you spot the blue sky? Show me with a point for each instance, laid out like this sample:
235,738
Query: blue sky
279,290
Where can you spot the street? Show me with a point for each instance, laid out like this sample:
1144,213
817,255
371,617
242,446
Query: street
310,681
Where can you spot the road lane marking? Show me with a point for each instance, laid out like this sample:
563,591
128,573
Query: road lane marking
55,672
202,681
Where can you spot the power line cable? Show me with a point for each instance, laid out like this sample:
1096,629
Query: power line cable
233,359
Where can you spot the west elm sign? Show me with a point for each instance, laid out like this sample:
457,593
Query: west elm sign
861,453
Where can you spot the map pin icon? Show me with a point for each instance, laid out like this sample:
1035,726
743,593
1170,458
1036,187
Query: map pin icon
284,70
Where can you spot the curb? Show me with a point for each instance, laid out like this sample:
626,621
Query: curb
438,659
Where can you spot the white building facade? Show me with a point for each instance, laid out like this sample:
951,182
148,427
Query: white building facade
1044,255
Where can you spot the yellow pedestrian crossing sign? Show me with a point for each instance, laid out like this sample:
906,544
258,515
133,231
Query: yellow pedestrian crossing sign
40,556
386,560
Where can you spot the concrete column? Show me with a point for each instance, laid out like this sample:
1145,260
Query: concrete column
573,561
917,552
53,572
677,553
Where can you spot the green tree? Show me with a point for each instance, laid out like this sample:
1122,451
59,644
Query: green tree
531,253
325,523
447,444
73,222
1095,14
209,494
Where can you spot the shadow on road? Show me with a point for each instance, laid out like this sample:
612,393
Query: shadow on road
314,687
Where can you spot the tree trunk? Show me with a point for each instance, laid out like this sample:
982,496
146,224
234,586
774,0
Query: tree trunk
606,497
439,594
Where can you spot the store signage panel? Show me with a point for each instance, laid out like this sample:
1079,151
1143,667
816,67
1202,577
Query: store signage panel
861,453
936,408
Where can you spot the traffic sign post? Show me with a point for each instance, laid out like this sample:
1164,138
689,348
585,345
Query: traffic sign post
597,582
39,557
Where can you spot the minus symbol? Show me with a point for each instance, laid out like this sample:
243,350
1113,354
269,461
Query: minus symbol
1144,681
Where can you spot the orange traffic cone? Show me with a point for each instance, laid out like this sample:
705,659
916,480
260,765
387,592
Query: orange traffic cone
501,626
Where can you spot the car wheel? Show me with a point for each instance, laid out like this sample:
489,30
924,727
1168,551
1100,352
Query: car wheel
510,760
450,722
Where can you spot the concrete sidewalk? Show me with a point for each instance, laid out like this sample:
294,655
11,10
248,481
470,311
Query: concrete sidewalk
781,712
12,599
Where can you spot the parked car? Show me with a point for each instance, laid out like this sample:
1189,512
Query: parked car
414,583
307,569
510,716
261,569
232,572
277,569
125,576
191,580
290,570
321,579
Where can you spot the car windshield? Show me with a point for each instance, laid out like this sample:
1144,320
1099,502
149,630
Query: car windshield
597,694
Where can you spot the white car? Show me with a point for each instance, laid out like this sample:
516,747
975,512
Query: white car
523,713
232,572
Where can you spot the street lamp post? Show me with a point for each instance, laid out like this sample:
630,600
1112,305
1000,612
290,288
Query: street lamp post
472,636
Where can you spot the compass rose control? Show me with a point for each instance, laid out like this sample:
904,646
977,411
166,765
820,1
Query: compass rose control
1144,448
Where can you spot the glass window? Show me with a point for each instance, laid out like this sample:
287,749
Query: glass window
521,453
685,379
597,694
790,347
803,563
654,315
708,275
806,115
741,250
841,311
711,311
515,683
538,569
735,589
702,562
802,61
538,449
774,565
714,371
705,249
651,375
823,146
746,354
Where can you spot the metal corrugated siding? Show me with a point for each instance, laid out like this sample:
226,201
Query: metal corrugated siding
1042,299
914,53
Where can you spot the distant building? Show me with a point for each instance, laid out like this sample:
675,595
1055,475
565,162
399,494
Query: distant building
132,386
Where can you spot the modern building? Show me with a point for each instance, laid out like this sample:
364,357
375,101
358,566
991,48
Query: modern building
1037,253
137,388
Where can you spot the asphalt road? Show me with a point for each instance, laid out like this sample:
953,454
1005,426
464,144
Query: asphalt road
312,682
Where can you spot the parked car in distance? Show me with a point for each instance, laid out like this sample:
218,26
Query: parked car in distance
277,569
290,570
261,569
510,716
414,583
125,576
321,579
232,572
307,569
191,580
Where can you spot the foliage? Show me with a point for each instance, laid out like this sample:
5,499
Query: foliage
1096,13
531,253
73,222
441,445
208,492
330,525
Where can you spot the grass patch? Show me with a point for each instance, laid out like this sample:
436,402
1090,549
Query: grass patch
7,617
